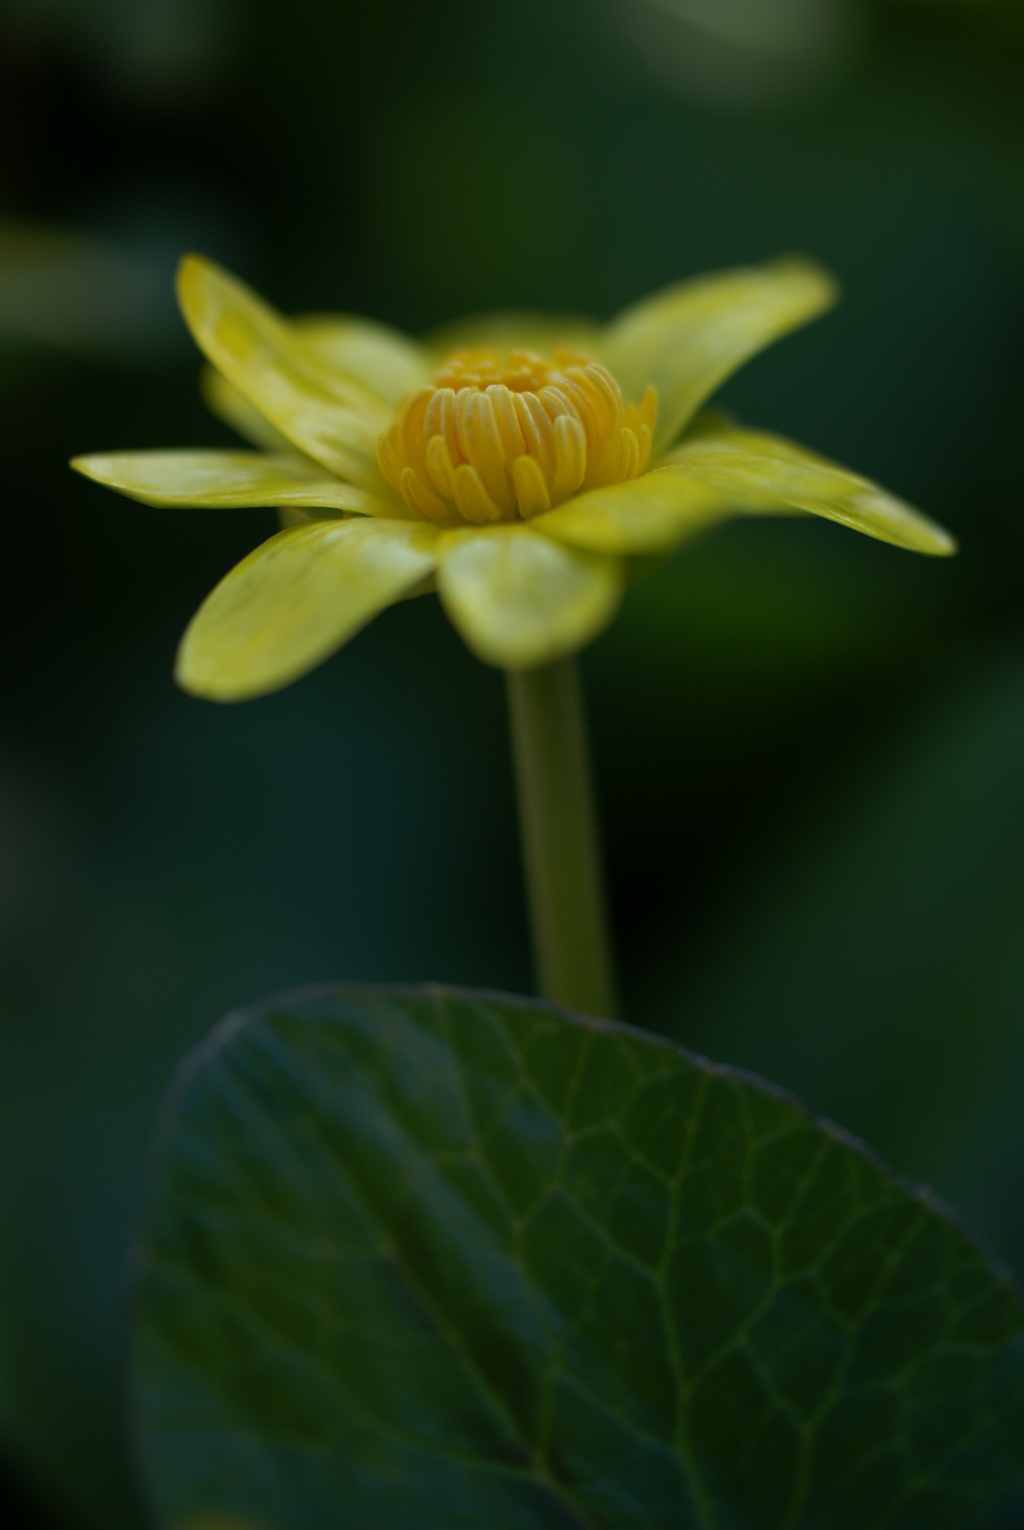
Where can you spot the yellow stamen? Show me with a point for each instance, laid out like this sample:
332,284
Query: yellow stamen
493,439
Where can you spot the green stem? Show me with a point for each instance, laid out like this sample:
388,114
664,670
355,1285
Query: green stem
560,847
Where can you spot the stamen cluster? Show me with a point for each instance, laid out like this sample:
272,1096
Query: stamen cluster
500,440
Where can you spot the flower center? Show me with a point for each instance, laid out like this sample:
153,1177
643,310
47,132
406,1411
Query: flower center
499,439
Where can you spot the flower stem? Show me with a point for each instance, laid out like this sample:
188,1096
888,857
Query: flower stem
560,847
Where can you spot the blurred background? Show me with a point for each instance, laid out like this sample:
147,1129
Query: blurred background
810,747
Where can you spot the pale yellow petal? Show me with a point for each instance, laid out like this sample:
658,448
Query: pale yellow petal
383,360
513,331
644,516
326,414
225,401
521,599
689,338
757,473
713,432
225,479
295,600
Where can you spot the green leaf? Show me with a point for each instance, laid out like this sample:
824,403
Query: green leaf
428,1258
861,915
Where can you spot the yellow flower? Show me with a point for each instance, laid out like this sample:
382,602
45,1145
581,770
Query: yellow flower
518,464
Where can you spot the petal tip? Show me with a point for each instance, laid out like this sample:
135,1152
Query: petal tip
943,544
90,466
812,270
191,265
195,276
196,680
818,290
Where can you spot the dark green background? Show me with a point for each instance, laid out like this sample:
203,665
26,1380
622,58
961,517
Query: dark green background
810,747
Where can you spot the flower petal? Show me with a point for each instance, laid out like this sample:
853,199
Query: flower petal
687,339
382,359
295,600
224,400
328,415
761,474
225,479
642,516
520,599
513,331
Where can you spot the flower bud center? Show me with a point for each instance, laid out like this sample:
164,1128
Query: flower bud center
494,438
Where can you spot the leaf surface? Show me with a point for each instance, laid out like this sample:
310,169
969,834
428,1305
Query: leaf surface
422,1257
